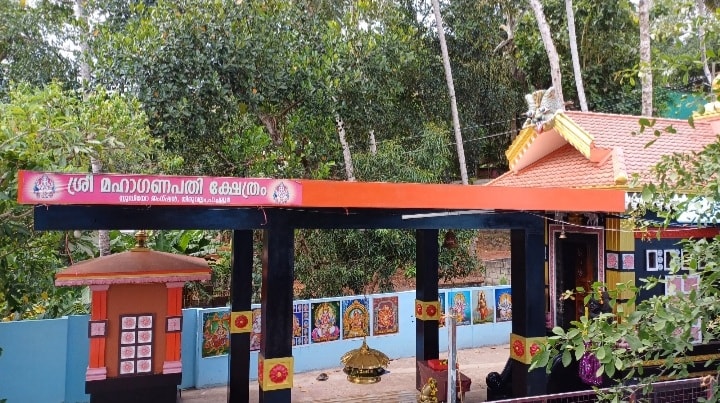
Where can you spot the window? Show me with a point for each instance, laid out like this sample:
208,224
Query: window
661,259
136,349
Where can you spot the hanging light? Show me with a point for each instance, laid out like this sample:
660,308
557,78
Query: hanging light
364,365
562,232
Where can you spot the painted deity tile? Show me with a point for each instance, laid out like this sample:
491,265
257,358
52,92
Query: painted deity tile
326,321
256,331
385,315
459,305
301,324
628,261
484,306
216,333
443,309
612,261
356,318
503,304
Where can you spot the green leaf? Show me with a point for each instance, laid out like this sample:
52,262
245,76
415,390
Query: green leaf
566,358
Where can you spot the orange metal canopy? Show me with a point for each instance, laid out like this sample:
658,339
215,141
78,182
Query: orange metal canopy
434,196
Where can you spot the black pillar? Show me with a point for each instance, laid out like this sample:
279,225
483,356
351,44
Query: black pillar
426,263
277,313
240,302
528,294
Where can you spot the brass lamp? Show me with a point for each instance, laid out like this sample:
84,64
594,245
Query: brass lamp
364,365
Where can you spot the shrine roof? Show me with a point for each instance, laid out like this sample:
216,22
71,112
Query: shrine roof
140,265
597,150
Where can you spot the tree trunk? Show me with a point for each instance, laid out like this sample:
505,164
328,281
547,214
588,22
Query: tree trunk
552,54
644,7
702,15
373,143
451,92
95,163
349,170
575,57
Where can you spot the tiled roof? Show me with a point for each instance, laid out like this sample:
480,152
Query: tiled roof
567,167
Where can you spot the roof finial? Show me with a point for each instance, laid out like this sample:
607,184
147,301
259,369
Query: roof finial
140,239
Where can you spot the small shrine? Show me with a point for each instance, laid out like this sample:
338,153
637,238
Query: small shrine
136,321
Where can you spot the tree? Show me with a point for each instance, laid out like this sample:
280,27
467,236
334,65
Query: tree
451,92
46,129
607,35
646,75
552,53
31,43
575,56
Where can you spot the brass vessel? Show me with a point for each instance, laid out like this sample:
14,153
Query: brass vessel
364,365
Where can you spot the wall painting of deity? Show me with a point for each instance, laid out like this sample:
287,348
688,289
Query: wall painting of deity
256,332
301,324
385,319
484,311
216,333
503,304
326,321
459,304
356,318
443,308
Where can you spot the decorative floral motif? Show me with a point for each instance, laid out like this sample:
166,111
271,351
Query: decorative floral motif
128,337
534,349
97,328
145,322
129,322
127,367
144,366
144,351
518,348
418,309
127,352
145,336
278,373
431,311
241,321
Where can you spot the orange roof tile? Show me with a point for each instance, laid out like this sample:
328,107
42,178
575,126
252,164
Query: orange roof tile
135,266
567,167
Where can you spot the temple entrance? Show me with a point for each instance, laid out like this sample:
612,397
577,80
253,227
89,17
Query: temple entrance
576,264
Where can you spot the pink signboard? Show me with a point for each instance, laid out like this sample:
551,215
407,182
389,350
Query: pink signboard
149,190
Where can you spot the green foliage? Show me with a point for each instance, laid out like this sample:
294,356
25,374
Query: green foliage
55,130
30,44
607,44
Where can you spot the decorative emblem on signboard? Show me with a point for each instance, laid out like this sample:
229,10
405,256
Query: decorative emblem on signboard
281,194
44,187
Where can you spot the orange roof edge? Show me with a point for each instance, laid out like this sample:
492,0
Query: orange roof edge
437,196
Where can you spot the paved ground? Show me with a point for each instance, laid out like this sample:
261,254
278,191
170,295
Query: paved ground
397,386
